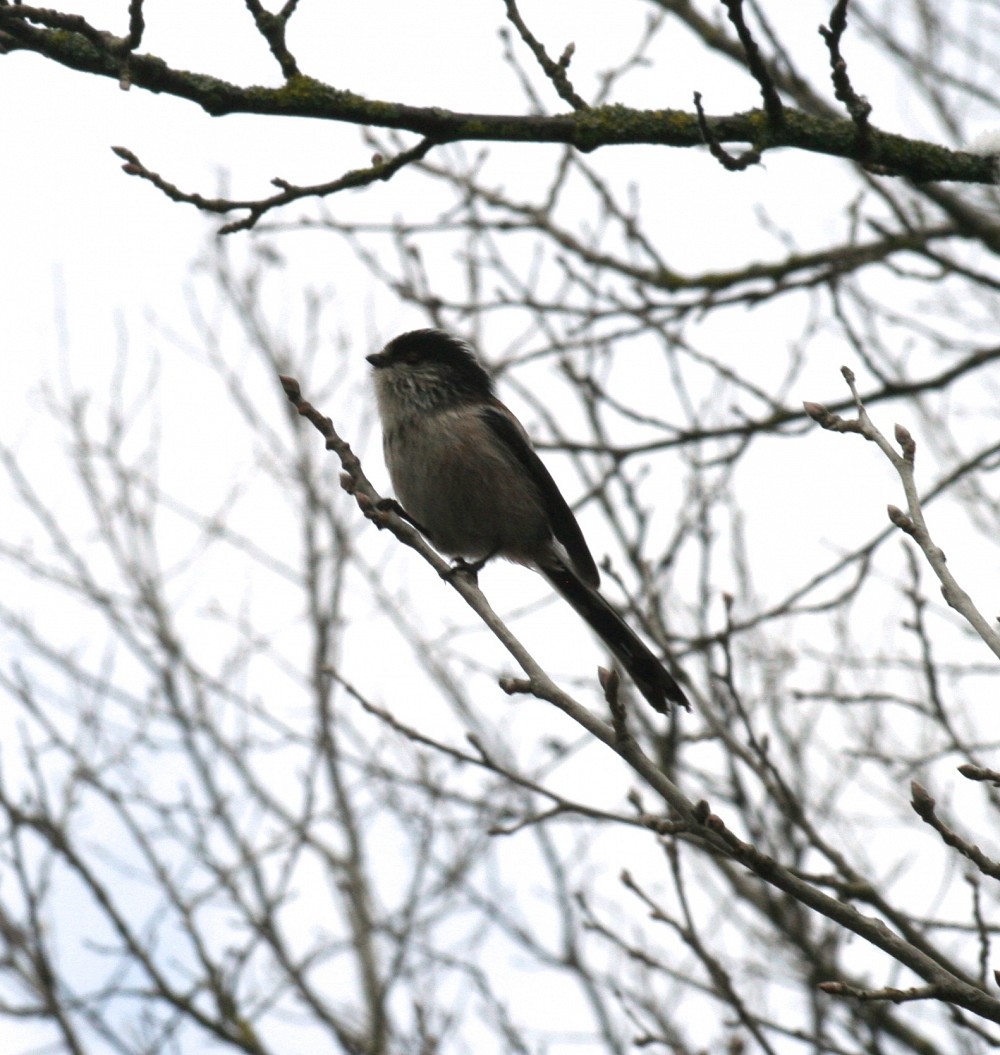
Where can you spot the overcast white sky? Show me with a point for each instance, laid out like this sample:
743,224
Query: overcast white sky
107,249
83,245
81,235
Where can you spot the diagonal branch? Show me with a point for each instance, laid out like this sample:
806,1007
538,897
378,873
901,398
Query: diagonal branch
706,827
911,522
555,71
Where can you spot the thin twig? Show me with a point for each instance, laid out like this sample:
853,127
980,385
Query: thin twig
911,522
555,71
857,105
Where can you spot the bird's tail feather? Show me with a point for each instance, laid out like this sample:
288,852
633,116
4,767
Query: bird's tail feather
650,676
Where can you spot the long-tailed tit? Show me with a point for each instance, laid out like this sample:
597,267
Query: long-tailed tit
465,471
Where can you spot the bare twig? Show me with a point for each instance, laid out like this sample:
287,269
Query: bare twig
925,807
773,106
896,996
911,522
731,162
380,169
555,71
857,105
273,28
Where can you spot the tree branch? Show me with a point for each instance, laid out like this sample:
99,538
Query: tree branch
911,522
78,45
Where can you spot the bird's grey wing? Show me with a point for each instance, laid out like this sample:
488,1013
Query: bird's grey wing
564,525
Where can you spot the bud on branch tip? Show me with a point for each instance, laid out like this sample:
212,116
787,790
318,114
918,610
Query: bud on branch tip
906,442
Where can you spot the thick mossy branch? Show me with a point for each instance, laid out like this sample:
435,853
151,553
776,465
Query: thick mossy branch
302,96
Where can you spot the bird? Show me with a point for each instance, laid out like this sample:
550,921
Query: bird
465,472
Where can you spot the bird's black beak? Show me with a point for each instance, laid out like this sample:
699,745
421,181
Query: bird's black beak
378,359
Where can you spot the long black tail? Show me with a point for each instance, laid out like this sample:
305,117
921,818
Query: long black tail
650,676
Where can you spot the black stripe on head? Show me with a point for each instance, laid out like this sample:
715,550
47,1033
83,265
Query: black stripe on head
435,347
